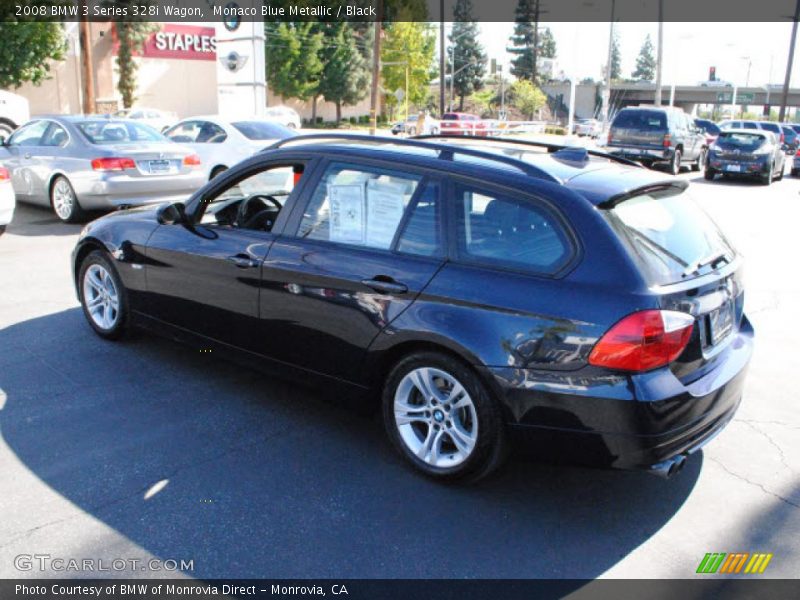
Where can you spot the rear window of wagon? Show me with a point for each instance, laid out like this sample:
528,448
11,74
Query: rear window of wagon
647,120
668,234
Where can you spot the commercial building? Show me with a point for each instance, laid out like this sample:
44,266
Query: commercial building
178,72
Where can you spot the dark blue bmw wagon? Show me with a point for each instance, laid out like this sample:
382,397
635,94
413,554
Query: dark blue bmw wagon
489,294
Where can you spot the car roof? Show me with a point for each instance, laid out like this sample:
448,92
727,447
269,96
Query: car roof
596,177
748,131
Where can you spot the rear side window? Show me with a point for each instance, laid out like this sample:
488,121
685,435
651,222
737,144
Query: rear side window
375,208
771,127
519,234
668,235
647,120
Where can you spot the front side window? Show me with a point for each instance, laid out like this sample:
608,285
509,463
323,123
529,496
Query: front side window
30,135
253,202
185,133
509,232
370,207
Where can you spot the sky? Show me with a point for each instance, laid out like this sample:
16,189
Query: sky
689,49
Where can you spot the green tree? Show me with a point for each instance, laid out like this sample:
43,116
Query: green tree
527,98
293,60
524,40
646,62
409,45
345,75
131,35
466,53
547,44
26,51
616,59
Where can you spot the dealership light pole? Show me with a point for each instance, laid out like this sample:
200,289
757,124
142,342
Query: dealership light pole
441,58
660,50
789,62
606,98
376,70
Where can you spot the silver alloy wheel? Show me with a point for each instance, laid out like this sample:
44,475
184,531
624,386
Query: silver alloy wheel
435,417
63,199
100,297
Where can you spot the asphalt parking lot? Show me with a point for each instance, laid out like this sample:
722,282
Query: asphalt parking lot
147,449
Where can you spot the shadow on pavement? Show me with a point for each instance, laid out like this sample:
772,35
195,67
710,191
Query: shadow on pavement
34,220
260,478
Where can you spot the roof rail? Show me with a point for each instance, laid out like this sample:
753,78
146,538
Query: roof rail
550,147
445,151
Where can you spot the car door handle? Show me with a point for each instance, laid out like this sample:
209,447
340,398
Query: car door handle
27,155
385,285
243,261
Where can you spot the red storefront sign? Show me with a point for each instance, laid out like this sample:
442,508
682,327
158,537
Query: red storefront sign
183,42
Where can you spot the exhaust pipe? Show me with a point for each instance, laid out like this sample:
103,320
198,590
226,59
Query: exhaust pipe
668,468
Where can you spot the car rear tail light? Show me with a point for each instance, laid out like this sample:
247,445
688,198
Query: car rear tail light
667,141
4,174
113,164
643,340
192,160
798,152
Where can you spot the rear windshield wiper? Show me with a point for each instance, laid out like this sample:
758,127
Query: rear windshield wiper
710,261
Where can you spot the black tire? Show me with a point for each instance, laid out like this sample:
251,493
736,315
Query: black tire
701,161
794,172
489,449
2,229
675,163
74,213
767,179
121,326
6,129
217,171
709,174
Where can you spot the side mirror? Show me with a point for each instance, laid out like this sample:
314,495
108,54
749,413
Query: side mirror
171,214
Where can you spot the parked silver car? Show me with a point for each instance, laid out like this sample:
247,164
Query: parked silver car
81,163
221,142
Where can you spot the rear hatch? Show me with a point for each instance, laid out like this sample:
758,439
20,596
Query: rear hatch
639,128
689,264
738,146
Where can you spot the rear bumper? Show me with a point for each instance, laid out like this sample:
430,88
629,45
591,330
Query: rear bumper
110,191
729,167
623,421
642,153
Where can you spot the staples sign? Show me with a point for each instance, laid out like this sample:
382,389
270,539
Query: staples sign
184,42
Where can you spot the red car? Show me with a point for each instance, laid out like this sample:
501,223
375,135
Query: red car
458,123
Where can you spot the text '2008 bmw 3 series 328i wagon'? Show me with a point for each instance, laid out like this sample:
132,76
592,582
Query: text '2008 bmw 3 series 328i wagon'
488,294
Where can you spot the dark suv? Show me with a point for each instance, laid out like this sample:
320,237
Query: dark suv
481,292
655,134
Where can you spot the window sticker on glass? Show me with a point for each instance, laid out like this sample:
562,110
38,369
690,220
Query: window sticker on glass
386,203
347,213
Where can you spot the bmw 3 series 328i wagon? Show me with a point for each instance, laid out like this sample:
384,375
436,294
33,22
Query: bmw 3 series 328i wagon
488,294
